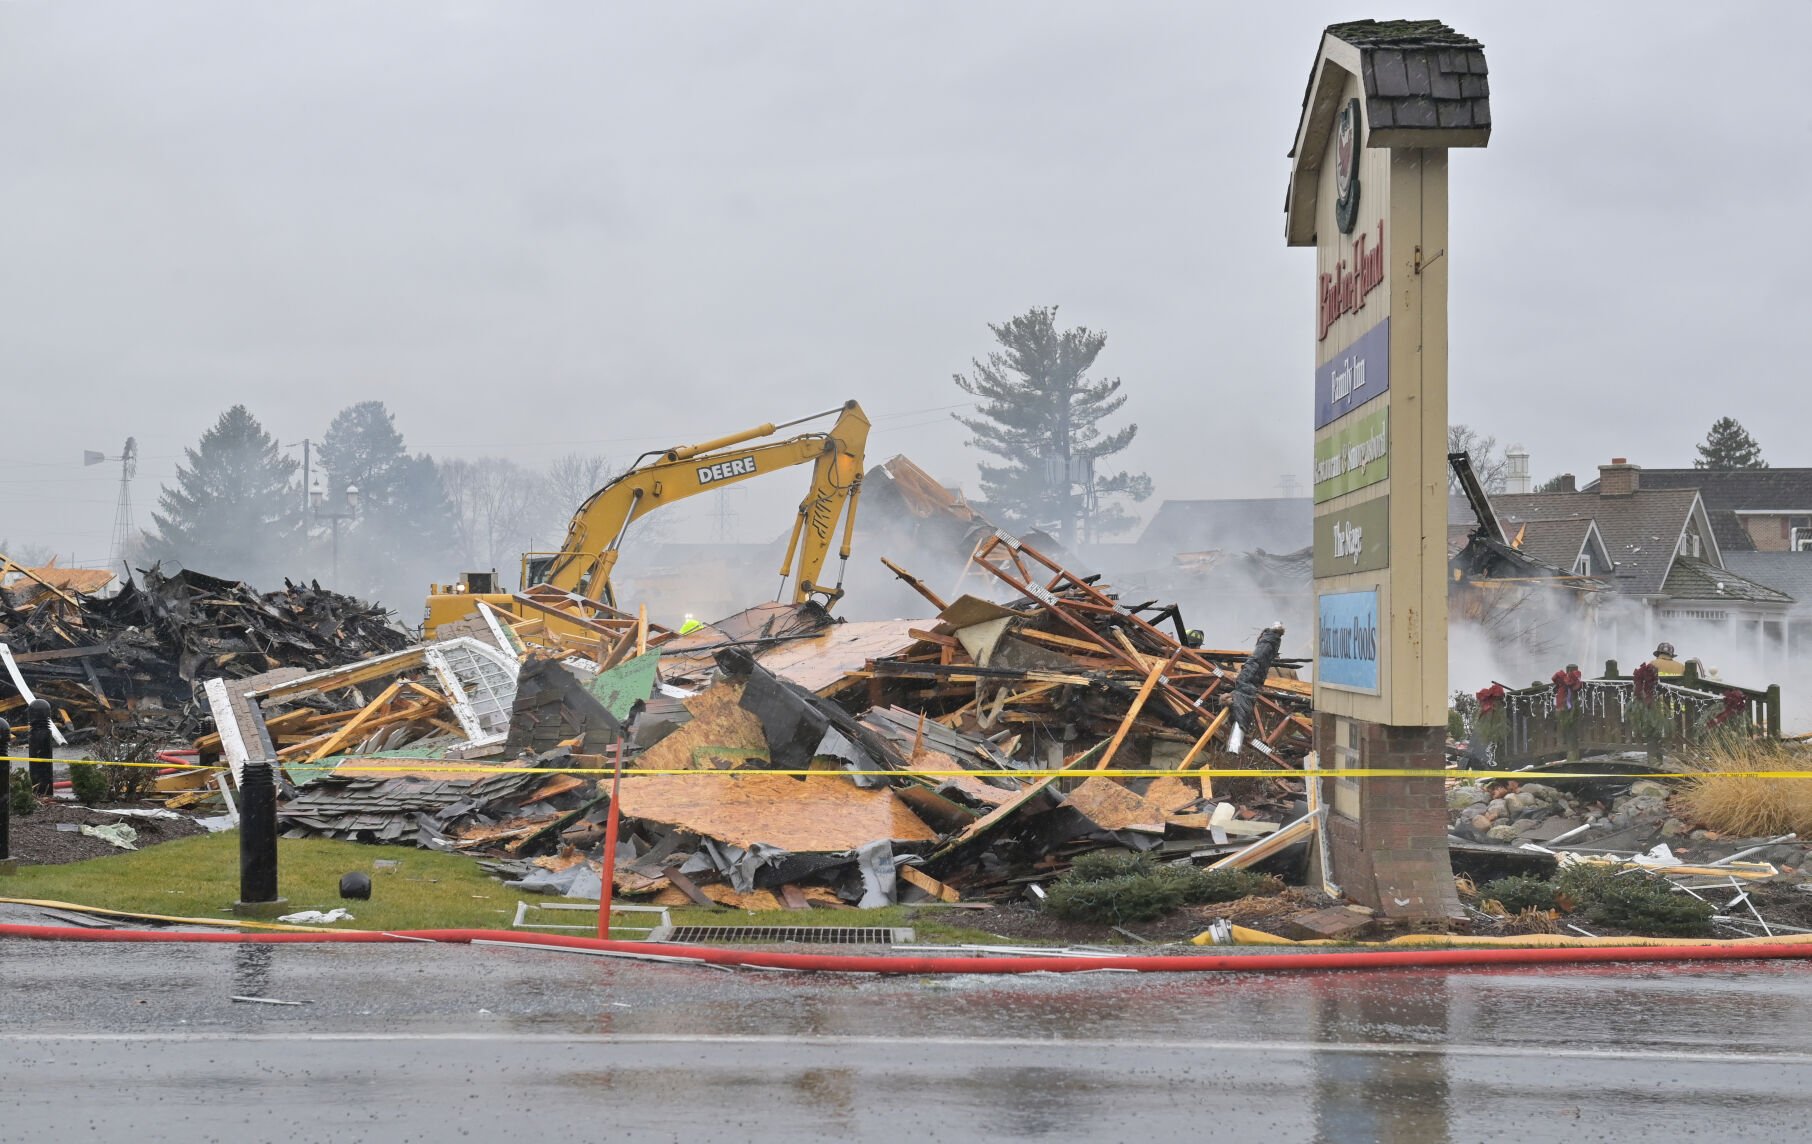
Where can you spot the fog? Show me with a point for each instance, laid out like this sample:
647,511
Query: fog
534,229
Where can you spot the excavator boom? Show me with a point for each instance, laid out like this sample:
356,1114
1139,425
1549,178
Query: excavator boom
594,538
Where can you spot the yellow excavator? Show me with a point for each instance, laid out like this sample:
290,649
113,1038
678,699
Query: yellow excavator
584,562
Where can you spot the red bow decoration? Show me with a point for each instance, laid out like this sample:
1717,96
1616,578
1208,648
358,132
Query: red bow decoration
1734,702
1566,687
1489,698
1646,679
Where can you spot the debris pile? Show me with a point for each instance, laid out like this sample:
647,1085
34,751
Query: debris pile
855,763
128,664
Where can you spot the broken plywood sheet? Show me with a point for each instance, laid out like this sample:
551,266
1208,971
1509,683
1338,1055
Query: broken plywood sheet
800,815
821,663
753,900
1111,806
1171,794
721,734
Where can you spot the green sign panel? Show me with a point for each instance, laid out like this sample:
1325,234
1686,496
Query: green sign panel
1354,539
1355,455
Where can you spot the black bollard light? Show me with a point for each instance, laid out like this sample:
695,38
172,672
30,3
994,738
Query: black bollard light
41,746
257,841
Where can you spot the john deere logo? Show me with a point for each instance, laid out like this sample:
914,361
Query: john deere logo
1346,167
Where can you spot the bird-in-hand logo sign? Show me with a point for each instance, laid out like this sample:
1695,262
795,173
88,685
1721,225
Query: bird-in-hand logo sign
1346,167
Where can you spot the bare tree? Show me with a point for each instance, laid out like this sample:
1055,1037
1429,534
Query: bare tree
500,508
26,554
570,480
572,477
1488,461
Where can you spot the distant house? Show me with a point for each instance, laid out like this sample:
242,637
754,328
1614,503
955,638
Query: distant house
1751,510
1788,572
1654,546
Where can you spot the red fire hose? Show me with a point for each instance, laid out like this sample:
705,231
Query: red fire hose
858,963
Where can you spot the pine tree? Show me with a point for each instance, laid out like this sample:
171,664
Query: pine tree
1042,415
1729,446
235,510
403,533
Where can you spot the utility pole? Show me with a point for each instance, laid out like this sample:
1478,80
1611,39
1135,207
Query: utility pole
350,507
307,448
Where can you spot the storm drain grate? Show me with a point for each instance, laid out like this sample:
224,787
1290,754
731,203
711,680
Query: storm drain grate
775,935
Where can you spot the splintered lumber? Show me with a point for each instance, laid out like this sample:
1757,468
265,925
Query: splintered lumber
915,584
913,876
1219,719
344,735
1132,712
797,814
1287,835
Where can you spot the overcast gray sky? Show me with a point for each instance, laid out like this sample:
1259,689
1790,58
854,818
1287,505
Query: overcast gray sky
536,227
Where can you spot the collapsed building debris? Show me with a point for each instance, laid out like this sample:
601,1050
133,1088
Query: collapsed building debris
963,756
127,664
775,758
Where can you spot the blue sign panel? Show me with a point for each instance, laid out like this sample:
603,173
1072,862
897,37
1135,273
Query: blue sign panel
1346,653
1353,376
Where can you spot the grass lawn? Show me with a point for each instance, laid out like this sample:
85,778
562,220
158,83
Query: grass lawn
199,878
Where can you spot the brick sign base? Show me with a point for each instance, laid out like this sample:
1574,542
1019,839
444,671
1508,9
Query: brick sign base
1393,857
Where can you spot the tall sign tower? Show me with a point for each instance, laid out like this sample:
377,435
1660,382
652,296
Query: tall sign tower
1368,190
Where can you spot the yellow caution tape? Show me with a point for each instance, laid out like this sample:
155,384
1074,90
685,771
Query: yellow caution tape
430,767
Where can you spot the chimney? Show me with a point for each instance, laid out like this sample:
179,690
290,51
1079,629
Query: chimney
1566,484
1516,470
1619,478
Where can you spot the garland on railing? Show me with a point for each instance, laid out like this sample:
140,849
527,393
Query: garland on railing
1646,715
1567,685
1489,725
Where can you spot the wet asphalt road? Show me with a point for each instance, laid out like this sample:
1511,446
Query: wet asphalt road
441,1043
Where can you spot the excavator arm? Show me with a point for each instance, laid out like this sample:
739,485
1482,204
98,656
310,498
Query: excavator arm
594,538
582,567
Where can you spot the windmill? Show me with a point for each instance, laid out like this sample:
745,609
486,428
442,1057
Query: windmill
122,509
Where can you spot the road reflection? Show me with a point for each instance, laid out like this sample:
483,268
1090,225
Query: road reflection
1380,1098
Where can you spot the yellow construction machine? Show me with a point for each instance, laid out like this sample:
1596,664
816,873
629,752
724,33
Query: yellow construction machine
580,571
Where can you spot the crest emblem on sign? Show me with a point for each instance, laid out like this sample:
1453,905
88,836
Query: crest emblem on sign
1346,167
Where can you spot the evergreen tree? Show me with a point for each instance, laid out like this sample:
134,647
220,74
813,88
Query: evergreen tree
403,533
1729,446
235,510
1042,414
